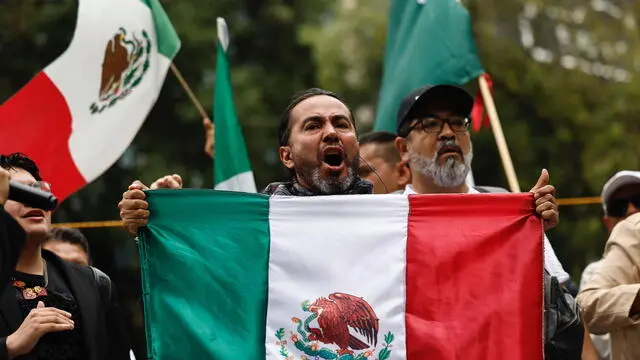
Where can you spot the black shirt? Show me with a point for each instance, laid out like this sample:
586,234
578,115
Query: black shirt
30,289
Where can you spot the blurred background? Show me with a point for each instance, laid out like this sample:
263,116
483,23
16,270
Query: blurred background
565,72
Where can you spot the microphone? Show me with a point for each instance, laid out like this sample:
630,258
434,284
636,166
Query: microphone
31,196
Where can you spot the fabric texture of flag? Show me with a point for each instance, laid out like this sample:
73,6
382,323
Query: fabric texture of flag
76,117
245,276
232,169
428,42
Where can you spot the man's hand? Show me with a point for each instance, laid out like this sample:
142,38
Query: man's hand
545,200
134,207
40,321
167,182
208,137
4,186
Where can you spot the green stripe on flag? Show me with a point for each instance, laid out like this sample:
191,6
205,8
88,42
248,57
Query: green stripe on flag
168,40
427,43
190,301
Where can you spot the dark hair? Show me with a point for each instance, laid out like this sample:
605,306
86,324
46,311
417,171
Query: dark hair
20,161
284,129
386,140
71,236
378,137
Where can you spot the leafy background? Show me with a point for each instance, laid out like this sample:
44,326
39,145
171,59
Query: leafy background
562,103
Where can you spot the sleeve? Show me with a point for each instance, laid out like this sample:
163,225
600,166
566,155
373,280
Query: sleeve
612,286
552,264
12,238
118,339
119,336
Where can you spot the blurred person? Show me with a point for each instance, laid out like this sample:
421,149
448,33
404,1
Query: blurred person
609,294
54,309
381,164
433,137
69,244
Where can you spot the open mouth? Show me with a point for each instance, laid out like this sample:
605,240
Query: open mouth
34,214
333,156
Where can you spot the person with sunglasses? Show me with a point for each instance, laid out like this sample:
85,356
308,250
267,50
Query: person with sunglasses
610,287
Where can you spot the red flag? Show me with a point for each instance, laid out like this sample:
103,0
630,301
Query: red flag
478,117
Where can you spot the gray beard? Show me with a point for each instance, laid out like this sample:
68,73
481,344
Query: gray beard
332,184
450,174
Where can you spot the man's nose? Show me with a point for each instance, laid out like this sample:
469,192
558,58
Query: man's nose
330,133
446,132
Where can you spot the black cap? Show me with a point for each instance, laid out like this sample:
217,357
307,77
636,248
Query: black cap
457,98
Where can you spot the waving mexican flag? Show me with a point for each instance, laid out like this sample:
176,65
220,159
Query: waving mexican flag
76,117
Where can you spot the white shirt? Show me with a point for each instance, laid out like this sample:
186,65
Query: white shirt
551,262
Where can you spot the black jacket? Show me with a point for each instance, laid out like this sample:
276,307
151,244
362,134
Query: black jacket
12,239
103,328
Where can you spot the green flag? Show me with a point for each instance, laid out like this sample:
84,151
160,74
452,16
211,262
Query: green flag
428,42
232,169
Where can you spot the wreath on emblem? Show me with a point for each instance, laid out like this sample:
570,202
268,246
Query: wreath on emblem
335,316
126,61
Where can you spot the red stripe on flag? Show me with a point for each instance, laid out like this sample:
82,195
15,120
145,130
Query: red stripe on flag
37,122
474,277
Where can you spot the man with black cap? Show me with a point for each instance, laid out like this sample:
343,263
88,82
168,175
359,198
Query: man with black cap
433,137
610,287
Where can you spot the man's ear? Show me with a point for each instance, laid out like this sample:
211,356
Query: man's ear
285,157
609,222
404,174
401,146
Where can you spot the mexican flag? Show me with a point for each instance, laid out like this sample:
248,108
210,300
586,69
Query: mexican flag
244,276
428,42
232,170
76,117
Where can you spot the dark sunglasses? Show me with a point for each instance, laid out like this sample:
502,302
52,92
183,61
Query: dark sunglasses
618,207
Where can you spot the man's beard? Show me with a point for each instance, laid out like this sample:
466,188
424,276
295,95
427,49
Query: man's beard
310,175
450,174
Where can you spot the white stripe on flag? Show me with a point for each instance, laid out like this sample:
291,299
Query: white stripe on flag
353,244
242,182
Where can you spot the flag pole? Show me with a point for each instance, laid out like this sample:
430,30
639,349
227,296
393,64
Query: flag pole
189,92
496,127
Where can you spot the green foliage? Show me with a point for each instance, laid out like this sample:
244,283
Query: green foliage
580,127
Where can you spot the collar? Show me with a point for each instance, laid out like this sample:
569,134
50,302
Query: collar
292,188
409,190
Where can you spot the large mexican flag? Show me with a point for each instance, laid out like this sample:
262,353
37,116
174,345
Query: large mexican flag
243,276
78,115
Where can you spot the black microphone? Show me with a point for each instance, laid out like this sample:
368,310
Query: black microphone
31,196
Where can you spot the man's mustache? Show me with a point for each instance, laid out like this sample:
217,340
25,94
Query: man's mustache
448,146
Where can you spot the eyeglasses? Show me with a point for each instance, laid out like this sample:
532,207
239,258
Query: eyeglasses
41,185
433,124
618,207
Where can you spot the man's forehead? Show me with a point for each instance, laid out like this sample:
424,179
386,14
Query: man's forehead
320,105
371,151
21,175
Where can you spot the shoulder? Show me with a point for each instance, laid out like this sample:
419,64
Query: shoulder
626,235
